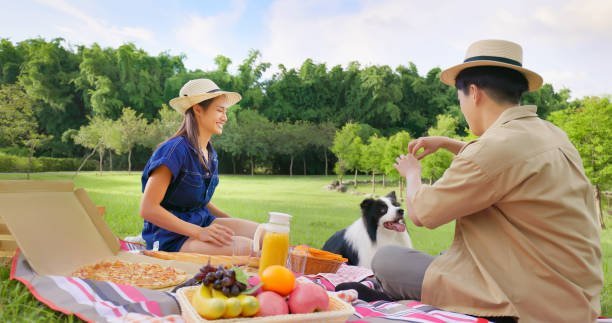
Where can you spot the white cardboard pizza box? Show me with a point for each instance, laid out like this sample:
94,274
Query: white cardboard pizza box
58,229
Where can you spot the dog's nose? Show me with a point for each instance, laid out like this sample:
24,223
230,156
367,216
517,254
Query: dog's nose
400,211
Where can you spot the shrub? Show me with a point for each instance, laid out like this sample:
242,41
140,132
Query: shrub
14,164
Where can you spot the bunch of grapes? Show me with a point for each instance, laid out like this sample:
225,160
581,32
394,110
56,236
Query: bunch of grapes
223,280
199,277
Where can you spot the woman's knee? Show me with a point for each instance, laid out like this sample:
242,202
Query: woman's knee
240,227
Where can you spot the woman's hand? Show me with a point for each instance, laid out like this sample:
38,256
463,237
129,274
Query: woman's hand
216,234
429,144
407,164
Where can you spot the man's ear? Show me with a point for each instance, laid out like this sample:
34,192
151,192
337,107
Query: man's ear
477,94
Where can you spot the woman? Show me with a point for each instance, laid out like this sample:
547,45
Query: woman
180,178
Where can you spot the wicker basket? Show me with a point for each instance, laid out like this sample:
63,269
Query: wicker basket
339,311
317,265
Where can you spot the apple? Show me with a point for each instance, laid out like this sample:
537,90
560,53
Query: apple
254,281
307,298
270,303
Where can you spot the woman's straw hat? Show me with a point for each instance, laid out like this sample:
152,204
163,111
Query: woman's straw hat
492,52
198,90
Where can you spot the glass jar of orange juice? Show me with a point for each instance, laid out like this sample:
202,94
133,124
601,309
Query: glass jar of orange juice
275,245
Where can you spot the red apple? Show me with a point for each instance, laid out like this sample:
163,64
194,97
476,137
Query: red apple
254,281
270,303
307,298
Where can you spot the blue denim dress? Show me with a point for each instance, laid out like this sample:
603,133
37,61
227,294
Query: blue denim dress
191,188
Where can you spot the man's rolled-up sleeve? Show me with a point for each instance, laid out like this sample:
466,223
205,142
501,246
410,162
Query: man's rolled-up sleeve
462,190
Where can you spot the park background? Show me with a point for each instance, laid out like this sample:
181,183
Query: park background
99,107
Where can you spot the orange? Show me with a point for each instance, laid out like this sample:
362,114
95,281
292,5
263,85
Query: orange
278,279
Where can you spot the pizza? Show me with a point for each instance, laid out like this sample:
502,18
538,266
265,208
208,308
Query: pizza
152,276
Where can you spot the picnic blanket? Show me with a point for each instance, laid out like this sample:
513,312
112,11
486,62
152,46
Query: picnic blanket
96,301
383,311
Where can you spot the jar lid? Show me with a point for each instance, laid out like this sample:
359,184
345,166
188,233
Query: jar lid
279,218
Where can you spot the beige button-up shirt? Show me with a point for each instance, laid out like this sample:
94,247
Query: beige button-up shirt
526,234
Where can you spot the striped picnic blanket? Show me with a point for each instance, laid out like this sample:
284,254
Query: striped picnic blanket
96,301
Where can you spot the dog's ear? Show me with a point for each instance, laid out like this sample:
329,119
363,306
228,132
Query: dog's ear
365,204
391,196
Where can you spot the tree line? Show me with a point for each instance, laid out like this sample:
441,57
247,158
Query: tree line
62,100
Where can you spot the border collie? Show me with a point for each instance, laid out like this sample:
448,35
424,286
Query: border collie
381,223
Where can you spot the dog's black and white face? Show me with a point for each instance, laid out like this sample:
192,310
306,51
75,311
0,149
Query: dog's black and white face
384,212
381,224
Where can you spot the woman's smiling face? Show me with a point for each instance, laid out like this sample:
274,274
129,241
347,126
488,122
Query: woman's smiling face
212,119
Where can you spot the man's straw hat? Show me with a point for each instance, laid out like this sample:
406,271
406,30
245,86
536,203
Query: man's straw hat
198,90
492,52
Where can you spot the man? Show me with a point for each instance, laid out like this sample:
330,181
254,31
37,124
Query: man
526,243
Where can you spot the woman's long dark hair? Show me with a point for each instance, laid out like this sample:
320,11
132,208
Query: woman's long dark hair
189,129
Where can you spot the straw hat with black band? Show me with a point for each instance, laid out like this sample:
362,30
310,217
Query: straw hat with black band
493,52
198,90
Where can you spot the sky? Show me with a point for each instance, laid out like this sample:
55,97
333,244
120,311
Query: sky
568,42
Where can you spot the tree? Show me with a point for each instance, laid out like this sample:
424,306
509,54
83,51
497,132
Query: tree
348,146
92,136
33,140
126,76
48,75
547,100
231,140
254,133
588,127
162,128
10,62
373,156
434,165
423,99
18,124
373,97
322,137
16,114
131,128
295,140
397,145
247,82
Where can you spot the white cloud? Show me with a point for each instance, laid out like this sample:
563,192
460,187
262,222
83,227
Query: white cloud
390,32
566,42
204,37
569,42
81,27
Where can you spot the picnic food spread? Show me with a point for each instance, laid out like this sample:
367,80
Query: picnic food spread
144,275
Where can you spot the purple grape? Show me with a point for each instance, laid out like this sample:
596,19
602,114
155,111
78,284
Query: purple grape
225,291
226,282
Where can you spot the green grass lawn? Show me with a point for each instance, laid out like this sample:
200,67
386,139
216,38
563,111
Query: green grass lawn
317,213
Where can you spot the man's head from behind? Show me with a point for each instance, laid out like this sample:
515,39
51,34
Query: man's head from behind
492,74
502,85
